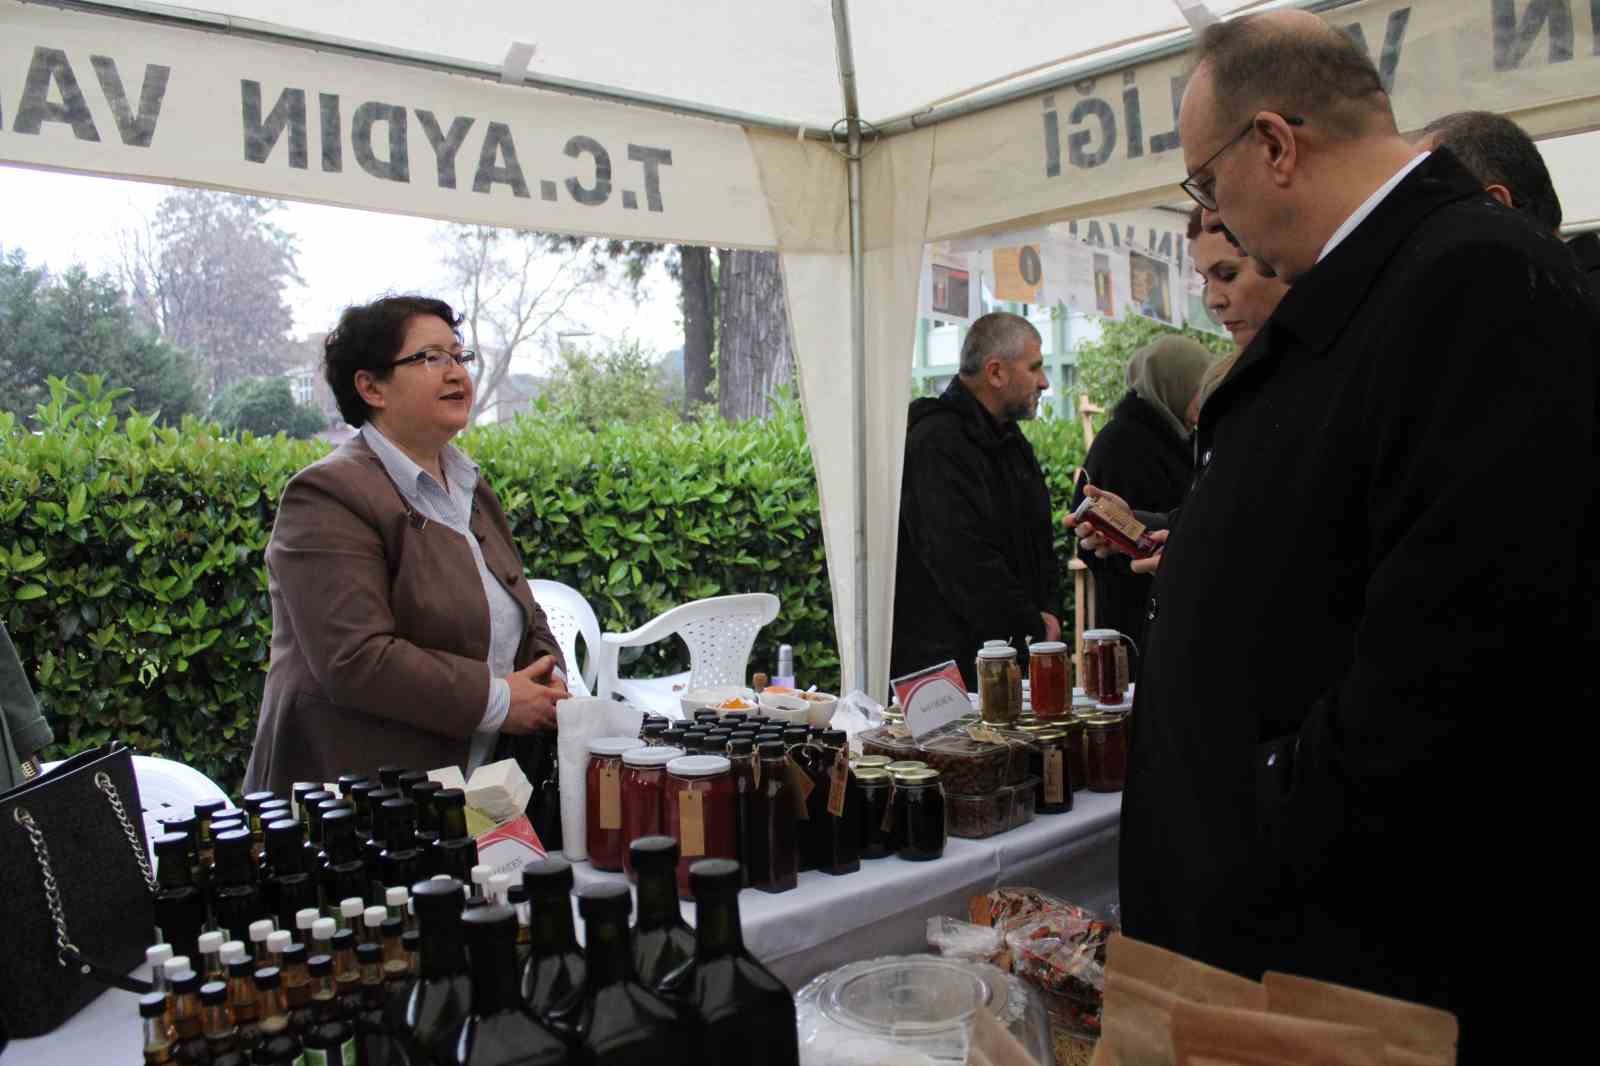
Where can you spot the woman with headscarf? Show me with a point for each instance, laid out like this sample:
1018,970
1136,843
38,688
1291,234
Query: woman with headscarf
1143,454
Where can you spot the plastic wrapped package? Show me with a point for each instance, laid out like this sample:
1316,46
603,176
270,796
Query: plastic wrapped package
954,939
1064,955
913,1010
970,767
1022,745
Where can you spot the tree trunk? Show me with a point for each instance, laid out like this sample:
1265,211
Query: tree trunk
699,330
754,357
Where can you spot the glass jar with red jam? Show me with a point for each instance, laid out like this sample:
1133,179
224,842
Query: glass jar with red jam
607,842
1106,752
1049,680
644,784
699,811
1105,665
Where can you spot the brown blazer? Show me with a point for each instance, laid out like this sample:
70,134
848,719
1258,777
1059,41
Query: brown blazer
380,629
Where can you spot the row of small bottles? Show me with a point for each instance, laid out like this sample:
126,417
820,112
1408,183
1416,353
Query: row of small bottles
229,870
474,984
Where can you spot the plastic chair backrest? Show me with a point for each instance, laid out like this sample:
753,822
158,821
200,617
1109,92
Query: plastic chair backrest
169,788
570,616
720,633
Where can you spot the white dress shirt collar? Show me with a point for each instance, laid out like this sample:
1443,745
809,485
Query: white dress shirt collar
1360,214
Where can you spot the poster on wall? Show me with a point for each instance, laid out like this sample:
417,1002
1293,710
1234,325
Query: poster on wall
949,288
1085,279
1019,274
1151,291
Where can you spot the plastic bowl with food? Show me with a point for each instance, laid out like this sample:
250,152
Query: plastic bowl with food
786,707
698,699
819,710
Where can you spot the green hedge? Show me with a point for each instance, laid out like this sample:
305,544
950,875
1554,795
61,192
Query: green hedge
132,580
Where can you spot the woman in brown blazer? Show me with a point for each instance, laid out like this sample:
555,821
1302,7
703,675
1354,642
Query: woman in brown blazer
403,629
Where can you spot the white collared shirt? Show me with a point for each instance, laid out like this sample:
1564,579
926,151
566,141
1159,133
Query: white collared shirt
1360,214
452,508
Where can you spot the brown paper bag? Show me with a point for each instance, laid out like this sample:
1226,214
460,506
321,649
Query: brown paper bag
1144,984
1224,1036
1416,1034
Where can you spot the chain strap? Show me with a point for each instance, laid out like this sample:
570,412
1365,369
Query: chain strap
66,951
102,781
52,891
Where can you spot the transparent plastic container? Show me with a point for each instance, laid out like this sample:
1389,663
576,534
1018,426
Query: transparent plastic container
913,1010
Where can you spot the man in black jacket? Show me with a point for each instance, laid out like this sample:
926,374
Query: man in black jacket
1398,488
1502,156
976,558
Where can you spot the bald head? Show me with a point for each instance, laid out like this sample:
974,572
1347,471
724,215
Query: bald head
1293,63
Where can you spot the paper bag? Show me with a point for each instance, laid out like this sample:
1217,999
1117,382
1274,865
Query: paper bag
1223,1036
578,721
1144,985
1414,1032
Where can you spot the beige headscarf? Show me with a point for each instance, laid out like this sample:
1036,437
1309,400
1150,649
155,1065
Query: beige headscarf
1166,374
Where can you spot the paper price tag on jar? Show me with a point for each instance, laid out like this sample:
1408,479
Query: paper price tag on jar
933,698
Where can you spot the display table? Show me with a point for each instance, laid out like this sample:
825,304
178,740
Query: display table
825,922
883,908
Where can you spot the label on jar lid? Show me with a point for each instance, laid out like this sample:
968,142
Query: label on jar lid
692,822
1054,786
610,797
839,779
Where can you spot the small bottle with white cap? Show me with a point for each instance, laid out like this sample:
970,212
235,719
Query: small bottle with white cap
397,897
233,951
372,920
155,956
304,919
211,966
172,968
499,888
480,880
350,911
280,939
259,931
322,931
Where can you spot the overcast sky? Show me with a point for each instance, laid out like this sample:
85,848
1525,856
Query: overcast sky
344,255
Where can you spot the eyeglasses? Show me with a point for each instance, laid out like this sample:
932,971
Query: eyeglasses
437,358
1203,191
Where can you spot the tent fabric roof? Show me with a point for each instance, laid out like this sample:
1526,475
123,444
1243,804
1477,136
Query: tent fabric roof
773,59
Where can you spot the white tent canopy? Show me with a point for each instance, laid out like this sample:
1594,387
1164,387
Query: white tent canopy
707,122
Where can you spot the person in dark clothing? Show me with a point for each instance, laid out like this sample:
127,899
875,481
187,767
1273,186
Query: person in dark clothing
976,557
1585,248
1329,632
1143,454
1501,155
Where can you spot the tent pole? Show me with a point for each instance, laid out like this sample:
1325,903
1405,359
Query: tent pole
858,347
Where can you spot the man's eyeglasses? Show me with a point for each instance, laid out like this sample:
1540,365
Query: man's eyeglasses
1203,191
437,358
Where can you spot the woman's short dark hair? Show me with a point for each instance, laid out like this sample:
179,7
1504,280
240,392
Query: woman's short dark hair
368,337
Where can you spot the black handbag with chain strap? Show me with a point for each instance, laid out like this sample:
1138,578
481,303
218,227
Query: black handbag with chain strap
77,886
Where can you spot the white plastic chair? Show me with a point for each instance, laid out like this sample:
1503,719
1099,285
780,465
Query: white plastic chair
166,788
570,617
719,631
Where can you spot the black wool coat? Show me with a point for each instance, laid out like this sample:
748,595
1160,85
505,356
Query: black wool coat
1141,458
1346,643
976,557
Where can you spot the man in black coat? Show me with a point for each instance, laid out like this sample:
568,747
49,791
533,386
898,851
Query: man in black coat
1390,542
1504,159
976,557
